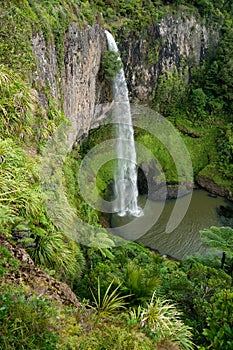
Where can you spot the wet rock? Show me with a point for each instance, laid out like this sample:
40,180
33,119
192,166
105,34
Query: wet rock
213,188
149,183
225,214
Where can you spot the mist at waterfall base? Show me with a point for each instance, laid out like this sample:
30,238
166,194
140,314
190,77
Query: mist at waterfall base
185,239
125,177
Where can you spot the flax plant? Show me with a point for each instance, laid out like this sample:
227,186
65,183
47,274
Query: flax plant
163,322
110,302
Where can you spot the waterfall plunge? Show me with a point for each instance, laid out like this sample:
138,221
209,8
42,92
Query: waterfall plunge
125,177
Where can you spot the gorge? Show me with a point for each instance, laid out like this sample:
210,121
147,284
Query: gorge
82,63
75,268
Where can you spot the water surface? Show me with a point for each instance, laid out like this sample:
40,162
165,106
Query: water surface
185,238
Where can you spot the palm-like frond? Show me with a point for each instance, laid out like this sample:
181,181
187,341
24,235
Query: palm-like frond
219,239
18,189
164,321
111,300
139,283
53,250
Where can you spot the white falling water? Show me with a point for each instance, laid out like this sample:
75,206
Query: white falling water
125,176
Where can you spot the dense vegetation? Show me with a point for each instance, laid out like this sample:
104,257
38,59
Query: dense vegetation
203,109
132,298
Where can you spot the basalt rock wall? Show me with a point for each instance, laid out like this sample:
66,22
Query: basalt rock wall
75,85
178,41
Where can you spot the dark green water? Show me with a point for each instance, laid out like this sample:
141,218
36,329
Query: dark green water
185,238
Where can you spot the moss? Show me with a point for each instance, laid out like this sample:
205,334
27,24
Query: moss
197,151
211,171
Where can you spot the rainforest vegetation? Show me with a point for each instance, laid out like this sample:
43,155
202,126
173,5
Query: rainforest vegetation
130,297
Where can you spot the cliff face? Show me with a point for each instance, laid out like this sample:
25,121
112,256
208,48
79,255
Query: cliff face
177,41
80,82
76,87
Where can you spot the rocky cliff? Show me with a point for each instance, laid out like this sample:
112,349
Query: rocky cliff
179,40
76,86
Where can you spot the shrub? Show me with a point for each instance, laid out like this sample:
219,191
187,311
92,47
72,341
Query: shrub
110,302
219,332
139,283
163,322
112,336
111,64
7,263
25,323
18,188
55,251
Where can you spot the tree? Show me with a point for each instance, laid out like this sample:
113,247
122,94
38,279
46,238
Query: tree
111,64
198,102
219,239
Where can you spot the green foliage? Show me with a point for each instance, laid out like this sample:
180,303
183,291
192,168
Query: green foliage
171,94
20,20
191,285
110,302
18,187
17,105
111,64
198,102
109,335
7,219
54,251
219,239
198,150
161,153
163,322
7,263
25,323
116,268
139,282
21,117
133,15
214,77
224,147
87,12
15,36
219,332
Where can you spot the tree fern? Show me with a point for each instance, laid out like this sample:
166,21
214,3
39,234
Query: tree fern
219,239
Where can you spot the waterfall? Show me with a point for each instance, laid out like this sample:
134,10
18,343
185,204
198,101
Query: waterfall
125,177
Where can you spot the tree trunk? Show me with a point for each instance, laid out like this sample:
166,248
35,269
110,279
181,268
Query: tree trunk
223,259
231,268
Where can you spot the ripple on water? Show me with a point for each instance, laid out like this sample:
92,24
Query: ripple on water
185,239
